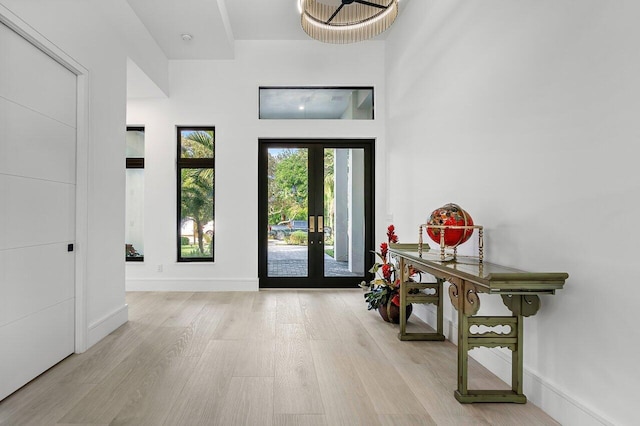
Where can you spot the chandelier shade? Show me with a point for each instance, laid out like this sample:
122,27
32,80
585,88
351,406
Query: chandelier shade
346,21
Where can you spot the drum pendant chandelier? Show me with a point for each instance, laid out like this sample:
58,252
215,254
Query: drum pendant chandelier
346,21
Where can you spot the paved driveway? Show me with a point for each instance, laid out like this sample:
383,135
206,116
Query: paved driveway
291,261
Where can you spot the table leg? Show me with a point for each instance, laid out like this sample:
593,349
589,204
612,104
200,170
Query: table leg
440,308
405,298
511,340
463,354
517,358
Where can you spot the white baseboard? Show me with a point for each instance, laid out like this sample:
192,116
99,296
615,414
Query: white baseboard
192,284
553,401
539,391
101,328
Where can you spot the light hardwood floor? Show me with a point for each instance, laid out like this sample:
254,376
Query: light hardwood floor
260,358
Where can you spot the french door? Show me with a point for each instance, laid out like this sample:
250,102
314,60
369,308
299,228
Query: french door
315,212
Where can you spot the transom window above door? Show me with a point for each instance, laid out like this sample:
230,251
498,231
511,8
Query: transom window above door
316,103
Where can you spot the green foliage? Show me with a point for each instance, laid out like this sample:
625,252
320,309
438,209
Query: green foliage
378,296
288,185
184,241
192,250
298,238
197,144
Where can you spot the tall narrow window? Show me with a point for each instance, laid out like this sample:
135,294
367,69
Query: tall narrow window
134,227
196,224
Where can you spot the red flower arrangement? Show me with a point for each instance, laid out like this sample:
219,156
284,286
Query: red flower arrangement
391,234
383,289
383,292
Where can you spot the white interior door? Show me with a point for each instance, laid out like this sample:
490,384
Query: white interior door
37,211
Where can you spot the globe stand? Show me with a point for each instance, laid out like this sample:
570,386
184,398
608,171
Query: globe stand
443,246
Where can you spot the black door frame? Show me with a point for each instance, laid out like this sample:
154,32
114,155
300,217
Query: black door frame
315,277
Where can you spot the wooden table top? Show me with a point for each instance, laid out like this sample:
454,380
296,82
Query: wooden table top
494,278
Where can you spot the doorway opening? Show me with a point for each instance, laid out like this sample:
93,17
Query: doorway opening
316,212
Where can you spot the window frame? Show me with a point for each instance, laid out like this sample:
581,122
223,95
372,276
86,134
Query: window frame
193,163
373,99
134,163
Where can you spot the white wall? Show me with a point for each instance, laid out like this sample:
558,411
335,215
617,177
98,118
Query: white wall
527,115
86,31
225,94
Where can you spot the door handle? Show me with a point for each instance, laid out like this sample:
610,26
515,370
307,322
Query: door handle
312,224
320,229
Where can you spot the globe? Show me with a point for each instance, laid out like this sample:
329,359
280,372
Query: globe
450,215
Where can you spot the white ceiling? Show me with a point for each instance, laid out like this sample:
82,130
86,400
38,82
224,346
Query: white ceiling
216,24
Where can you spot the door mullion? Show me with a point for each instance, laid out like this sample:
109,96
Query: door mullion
315,200
310,210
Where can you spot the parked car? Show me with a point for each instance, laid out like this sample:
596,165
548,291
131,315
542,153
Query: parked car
287,227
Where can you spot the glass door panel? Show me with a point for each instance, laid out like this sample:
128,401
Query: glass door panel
287,210
344,212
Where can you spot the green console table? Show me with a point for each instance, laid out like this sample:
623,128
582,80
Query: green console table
468,277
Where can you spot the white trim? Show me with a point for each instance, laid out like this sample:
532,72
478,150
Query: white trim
558,404
38,40
22,28
192,284
107,324
82,210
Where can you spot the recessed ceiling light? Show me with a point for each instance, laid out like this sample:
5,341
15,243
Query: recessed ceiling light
186,37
